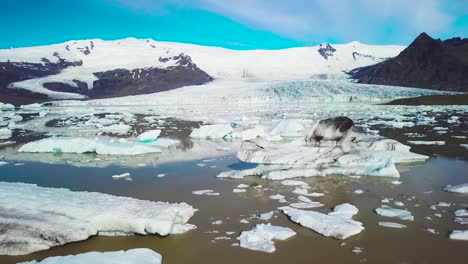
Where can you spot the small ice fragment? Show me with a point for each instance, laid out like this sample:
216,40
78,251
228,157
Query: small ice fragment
241,186
459,235
391,224
244,221
398,203
125,175
461,188
265,216
392,212
261,236
217,222
397,182
205,192
161,175
358,192
461,212
293,183
238,190
277,197
431,230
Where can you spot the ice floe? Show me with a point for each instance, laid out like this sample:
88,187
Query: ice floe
393,212
39,218
5,133
261,237
131,256
461,212
461,188
338,226
85,145
205,192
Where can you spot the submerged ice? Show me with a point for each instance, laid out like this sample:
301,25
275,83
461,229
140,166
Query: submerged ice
39,218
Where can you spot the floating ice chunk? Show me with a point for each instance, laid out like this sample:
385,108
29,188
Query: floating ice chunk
277,197
294,183
327,225
393,212
242,186
85,145
461,212
461,220
461,188
385,200
121,176
238,190
358,192
5,133
265,216
397,182
39,218
357,250
392,225
459,235
345,210
431,230
160,175
118,129
244,221
443,204
420,142
149,136
440,128
288,128
217,222
3,163
261,236
464,146
212,131
398,203
6,107
205,192
131,256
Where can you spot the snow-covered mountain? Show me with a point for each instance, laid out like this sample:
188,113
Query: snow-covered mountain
99,69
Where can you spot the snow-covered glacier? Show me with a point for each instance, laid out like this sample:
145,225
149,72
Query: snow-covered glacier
34,218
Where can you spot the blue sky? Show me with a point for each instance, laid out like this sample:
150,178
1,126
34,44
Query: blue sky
237,24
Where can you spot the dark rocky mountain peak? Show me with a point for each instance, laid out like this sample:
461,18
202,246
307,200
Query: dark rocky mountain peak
326,50
425,63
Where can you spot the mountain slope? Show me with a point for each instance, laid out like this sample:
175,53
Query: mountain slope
101,69
426,63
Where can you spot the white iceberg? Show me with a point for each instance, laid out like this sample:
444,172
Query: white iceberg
149,136
459,235
39,218
461,212
461,188
345,210
393,212
334,226
85,145
353,154
131,256
261,236
212,132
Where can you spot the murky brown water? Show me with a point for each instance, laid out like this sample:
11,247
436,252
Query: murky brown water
381,245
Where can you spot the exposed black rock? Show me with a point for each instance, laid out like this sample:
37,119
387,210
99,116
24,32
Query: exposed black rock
426,63
122,82
14,72
331,129
81,87
326,50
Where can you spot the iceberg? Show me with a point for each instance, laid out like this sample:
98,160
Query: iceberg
85,145
39,218
336,224
131,256
461,188
261,236
348,153
461,212
393,212
149,136
212,132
